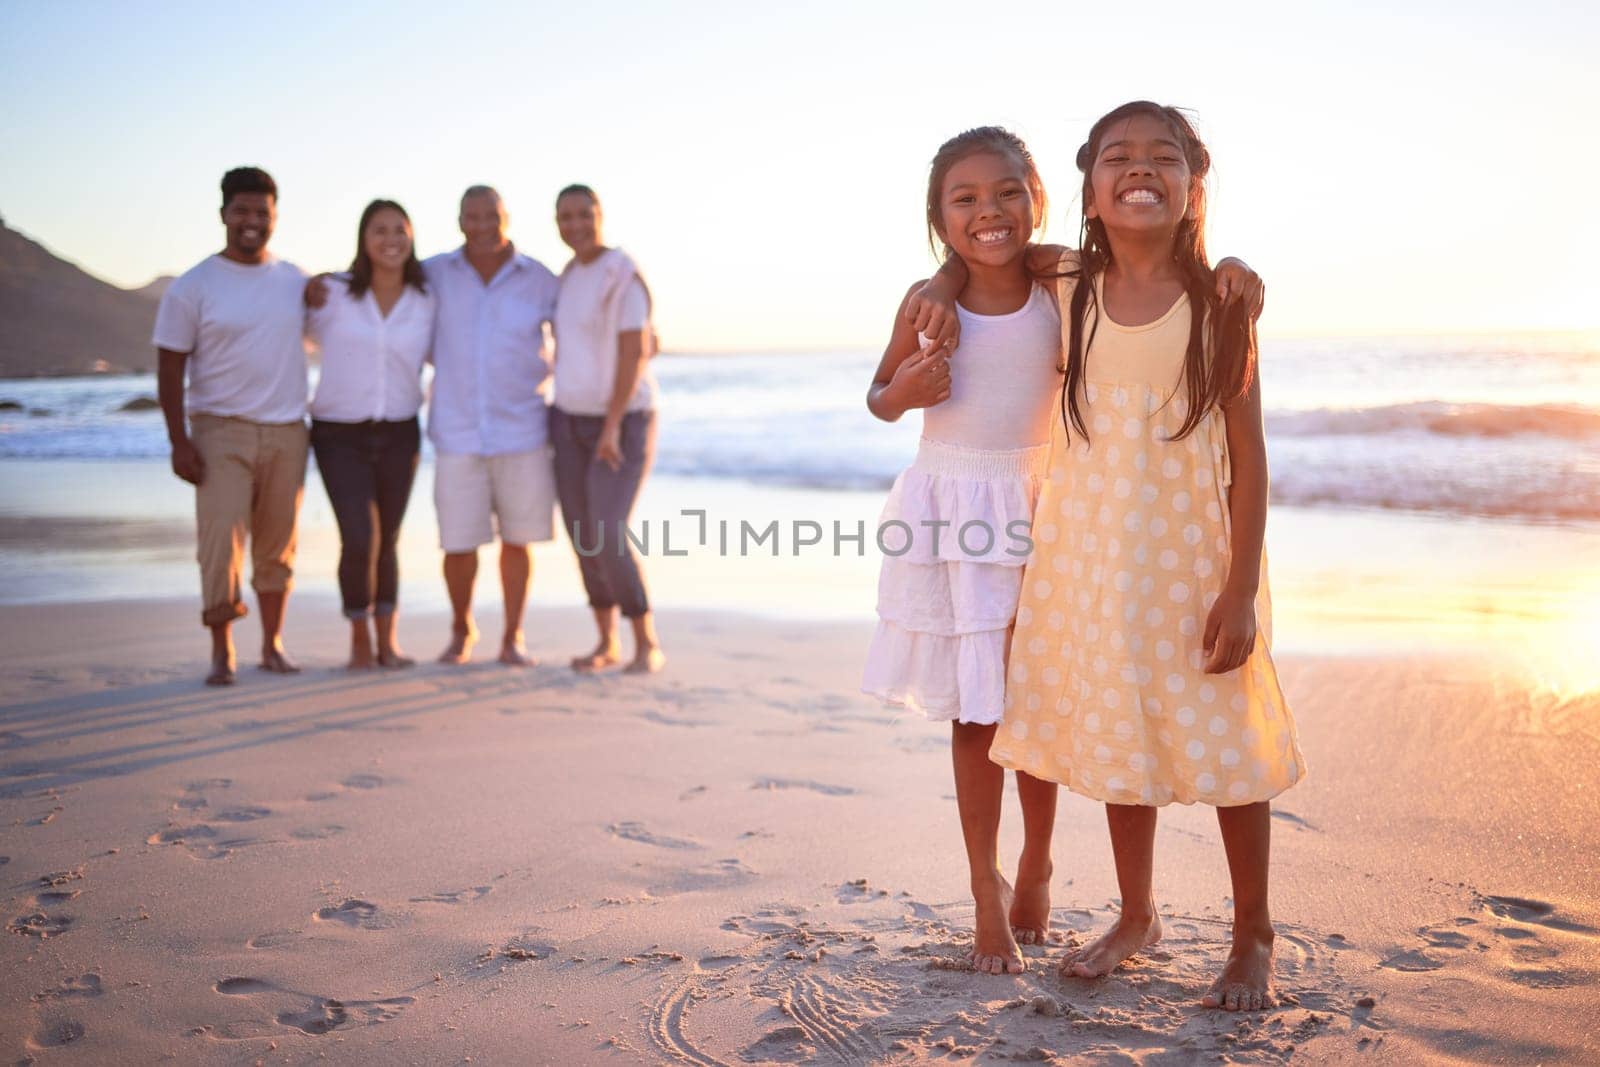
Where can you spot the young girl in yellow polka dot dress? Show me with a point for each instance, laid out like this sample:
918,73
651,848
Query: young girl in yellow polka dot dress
1140,669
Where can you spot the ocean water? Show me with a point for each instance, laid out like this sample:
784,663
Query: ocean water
1505,427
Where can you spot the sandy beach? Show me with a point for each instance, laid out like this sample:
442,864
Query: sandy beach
740,860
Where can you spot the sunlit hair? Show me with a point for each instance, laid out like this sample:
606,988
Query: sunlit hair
481,190
247,180
361,266
584,190
970,143
1229,334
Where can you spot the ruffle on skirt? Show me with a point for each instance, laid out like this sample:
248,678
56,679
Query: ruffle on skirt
946,601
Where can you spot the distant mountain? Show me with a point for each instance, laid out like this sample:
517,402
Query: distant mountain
56,319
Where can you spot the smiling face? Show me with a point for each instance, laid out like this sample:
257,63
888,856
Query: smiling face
387,239
249,219
986,211
483,223
1140,181
578,218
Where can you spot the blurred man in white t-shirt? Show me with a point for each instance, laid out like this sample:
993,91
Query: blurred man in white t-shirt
233,389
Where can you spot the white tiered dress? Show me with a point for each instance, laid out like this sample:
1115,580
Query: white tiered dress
946,602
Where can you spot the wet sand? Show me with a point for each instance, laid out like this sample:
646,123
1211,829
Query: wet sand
739,860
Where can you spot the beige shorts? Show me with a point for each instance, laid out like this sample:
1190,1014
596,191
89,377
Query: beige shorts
515,492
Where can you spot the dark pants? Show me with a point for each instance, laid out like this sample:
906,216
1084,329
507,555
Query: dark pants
367,468
596,502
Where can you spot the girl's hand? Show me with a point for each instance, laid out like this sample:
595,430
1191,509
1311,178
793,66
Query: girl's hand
1236,281
608,449
931,311
922,379
1230,631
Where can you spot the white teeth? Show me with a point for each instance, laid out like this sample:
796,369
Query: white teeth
989,237
1141,196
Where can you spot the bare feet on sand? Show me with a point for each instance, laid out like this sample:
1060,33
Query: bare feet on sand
514,654
1245,983
1030,906
222,669
276,660
648,660
606,654
994,950
393,659
459,650
1129,935
360,648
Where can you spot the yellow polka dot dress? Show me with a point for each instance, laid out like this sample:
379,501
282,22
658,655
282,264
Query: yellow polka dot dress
1106,691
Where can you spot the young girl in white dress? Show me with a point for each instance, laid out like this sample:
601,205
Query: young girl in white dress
963,508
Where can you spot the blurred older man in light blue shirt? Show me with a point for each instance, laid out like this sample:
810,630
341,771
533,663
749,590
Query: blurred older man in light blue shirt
488,413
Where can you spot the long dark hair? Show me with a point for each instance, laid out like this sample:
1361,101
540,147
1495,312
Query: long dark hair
1212,379
361,266
971,142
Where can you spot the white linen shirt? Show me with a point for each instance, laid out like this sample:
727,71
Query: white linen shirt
371,364
243,326
598,301
491,355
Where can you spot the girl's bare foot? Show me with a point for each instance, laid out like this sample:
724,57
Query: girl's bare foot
459,650
605,654
274,659
1245,983
994,950
648,660
393,658
1030,905
1129,935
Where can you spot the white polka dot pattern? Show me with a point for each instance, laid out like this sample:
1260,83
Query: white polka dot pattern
1132,717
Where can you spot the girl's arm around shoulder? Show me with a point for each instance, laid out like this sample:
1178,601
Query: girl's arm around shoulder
910,375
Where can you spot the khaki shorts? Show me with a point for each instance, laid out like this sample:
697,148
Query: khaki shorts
475,494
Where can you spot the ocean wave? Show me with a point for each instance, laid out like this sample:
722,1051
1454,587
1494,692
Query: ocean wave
1569,422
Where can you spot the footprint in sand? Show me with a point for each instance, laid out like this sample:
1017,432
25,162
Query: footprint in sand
454,896
40,925
362,781
316,833
56,1033
1524,939
826,790
356,914
272,939
200,841
88,985
638,832
312,1014
870,982
241,815
194,794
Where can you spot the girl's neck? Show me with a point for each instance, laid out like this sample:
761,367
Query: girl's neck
996,290
592,254
1142,257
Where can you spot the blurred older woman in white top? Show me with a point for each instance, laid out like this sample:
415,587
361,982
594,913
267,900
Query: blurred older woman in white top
374,330
603,425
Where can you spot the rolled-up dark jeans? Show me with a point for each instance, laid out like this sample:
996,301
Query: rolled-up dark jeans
368,468
596,502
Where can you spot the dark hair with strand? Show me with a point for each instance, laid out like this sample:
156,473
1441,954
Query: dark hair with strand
1219,363
576,188
970,143
247,180
361,266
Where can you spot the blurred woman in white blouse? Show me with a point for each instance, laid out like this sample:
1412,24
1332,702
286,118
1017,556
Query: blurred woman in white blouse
374,330
603,426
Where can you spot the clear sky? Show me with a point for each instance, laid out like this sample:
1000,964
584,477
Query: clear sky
1411,167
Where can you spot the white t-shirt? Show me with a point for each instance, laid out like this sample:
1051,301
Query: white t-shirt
242,325
598,301
371,365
